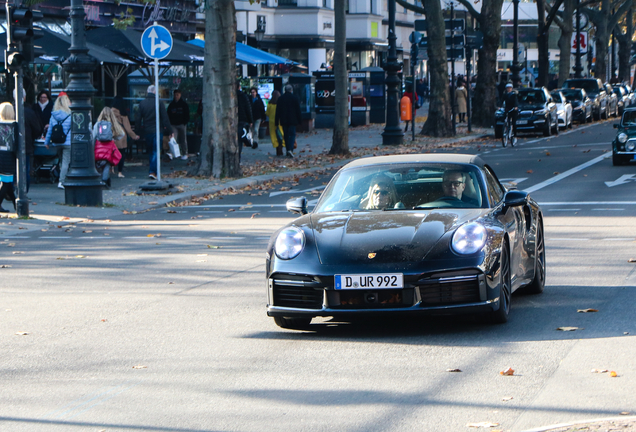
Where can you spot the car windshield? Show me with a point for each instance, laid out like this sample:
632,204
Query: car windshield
629,118
556,97
403,186
572,95
531,97
587,85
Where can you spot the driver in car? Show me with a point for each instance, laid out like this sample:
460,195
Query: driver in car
453,184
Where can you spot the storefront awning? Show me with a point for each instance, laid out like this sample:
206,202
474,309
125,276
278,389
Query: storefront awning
250,55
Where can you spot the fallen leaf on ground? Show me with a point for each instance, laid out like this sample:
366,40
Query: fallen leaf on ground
202,255
625,413
453,370
5,266
632,260
529,171
17,253
569,328
171,211
556,173
599,371
506,398
170,283
613,374
153,202
80,256
482,425
231,210
104,320
586,310
214,247
547,153
87,231
507,372
140,367
22,333
254,215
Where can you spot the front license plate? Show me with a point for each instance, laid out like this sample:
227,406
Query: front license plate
370,281
522,122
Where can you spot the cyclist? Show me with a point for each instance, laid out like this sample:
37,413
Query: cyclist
511,109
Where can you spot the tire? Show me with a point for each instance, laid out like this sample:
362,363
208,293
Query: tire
570,125
618,160
500,316
538,283
547,131
505,136
556,127
292,323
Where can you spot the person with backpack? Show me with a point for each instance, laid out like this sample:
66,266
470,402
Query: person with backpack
59,133
105,132
7,162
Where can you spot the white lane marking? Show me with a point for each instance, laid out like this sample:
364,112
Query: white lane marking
294,191
210,211
570,209
236,206
183,238
567,239
9,236
588,203
567,173
227,238
520,144
608,209
54,237
548,147
618,239
624,179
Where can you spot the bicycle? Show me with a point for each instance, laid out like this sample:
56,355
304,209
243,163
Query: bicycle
508,132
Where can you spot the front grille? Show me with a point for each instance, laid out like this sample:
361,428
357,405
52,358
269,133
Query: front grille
369,299
450,290
297,293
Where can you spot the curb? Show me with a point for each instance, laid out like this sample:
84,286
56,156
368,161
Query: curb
579,423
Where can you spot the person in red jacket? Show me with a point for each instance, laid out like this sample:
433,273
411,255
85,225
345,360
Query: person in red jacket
107,154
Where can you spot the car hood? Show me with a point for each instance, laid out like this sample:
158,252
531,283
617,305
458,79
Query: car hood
395,236
533,107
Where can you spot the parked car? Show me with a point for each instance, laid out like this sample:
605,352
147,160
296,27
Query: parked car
564,109
612,100
623,98
581,104
624,144
407,234
596,92
631,94
537,112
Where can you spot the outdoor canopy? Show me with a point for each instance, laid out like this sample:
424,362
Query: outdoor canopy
249,55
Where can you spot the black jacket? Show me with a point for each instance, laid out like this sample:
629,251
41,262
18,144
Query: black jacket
244,108
32,128
510,101
145,121
179,112
44,116
258,108
288,110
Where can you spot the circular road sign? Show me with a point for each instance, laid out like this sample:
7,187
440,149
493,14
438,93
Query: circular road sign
156,42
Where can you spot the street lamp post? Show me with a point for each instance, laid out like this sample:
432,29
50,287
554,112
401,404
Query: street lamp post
577,61
82,185
514,68
392,134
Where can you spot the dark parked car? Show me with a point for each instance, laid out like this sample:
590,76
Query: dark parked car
581,104
612,101
596,92
422,233
537,112
623,98
624,144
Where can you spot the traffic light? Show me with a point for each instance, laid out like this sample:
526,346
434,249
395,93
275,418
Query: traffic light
414,52
20,31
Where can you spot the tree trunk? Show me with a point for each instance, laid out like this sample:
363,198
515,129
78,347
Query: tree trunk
219,144
340,143
565,39
542,45
439,121
624,48
485,97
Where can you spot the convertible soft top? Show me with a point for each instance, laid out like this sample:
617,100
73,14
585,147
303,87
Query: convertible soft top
415,158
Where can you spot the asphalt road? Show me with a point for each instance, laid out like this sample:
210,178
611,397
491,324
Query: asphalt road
157,321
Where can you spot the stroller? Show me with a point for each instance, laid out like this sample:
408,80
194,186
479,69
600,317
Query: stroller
46,163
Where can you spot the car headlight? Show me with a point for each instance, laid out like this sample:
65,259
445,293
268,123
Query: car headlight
622,137
560,112
469,238
540,112
630,146
289,243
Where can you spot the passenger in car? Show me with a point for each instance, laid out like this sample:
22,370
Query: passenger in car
381,195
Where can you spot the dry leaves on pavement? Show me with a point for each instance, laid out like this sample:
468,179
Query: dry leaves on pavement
586,310
21,333
507,372
567,329
485,424
453,370
140,367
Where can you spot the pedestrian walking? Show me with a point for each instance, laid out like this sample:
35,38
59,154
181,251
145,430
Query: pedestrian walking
59,133
43,108
258,111
121,114
32,129
179,115
7,162
146,121
105,132
288,115
245,120
461,100
275,132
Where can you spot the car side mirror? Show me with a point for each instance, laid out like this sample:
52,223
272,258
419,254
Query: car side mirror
515,198
297,205
615,125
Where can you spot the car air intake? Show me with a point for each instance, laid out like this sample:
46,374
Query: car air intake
297,294
449,290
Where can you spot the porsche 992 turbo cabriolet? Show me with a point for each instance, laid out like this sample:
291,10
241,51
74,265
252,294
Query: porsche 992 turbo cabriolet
428,234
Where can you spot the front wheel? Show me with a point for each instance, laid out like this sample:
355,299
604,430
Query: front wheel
292,323
500,316
538,283
547,130
505,137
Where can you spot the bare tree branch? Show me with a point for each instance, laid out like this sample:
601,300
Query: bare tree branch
471,10
411,7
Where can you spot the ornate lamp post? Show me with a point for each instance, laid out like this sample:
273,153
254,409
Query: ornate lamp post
515,68
392,134
83,185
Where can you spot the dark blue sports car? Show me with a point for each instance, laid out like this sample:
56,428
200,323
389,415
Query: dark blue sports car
432,233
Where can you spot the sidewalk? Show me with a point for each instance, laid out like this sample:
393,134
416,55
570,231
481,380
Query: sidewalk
258,166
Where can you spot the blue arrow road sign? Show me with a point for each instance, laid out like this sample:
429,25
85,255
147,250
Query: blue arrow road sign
156,42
